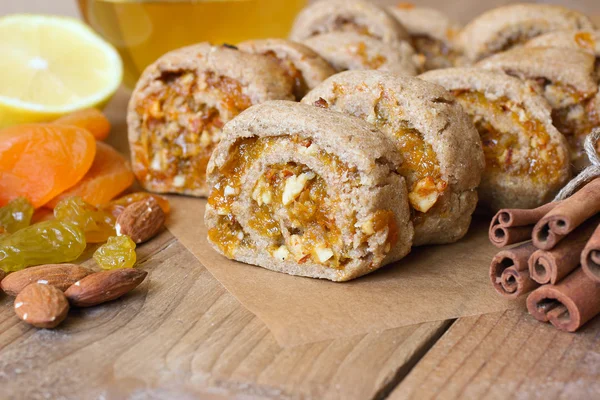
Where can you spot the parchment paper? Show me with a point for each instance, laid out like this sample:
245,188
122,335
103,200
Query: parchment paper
432,283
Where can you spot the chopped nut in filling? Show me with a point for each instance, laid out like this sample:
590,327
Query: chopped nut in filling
180,129
539,160
291,207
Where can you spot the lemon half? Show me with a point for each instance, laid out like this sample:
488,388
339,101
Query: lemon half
50,66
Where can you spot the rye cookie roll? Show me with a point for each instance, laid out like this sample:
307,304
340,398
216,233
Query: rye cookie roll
441,150
512,25
180,104
567,80
305,67
353,51
347,16
432,34
307,191
527,159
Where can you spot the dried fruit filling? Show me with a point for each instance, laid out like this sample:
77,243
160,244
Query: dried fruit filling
420,167
360,50
180,129
434,49
291,208
540,160
298,196
300,85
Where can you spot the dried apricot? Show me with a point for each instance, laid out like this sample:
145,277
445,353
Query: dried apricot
49,242
91,119
117,206
98,225
40,161
117,252
109,175
16,215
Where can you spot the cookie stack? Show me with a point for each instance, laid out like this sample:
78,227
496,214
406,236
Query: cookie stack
324,156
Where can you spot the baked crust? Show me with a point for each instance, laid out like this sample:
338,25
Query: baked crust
180,103
353,51
304,65
347,15
584,40
568,81
436,137
360,175
504,27
527,159
432,34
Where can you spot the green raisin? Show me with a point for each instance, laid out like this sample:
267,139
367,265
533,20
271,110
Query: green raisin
16,215
48,242
98,225
117,252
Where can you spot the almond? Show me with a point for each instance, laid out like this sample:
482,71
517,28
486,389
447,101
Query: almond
104,286
141,220
60,276
42,306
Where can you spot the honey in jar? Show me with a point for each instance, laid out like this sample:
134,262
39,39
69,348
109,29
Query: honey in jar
143,30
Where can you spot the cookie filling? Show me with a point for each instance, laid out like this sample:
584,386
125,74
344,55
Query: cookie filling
300,86
181,125
437,54
532,154
359,51
293,209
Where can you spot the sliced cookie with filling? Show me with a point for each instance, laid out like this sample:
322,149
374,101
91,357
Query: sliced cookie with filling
347,16
306,191
441,150
505,27
432,34
303,65
353,51
180,104
527,158
566,78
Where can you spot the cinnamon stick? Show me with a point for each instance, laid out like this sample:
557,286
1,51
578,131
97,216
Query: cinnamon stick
590,257
567,216
501,236
509,271
569,304
509,217
513,225
550,266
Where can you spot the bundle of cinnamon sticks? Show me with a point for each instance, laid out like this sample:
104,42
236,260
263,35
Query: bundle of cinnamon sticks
557,258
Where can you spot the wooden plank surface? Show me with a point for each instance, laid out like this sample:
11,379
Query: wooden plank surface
182,334
507,356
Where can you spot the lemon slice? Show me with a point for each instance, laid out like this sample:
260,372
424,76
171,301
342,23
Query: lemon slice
50,66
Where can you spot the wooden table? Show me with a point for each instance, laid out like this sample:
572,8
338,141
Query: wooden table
182,335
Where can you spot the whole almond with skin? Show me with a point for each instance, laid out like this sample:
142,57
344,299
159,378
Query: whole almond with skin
104,286
141,220
60,276
42,306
